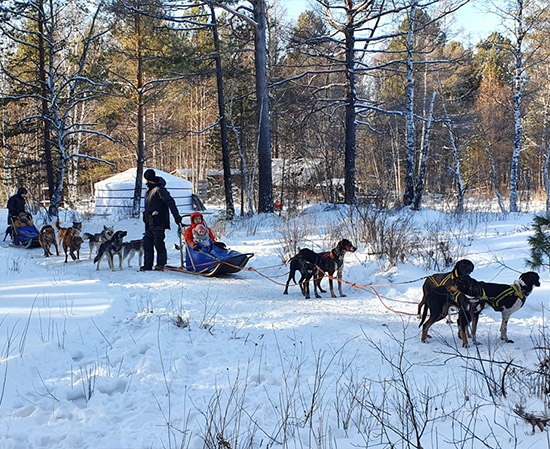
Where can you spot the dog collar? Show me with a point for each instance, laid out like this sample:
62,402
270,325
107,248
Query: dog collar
518,292
455,296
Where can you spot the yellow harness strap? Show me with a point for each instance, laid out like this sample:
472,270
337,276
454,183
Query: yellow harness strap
443,281
512,290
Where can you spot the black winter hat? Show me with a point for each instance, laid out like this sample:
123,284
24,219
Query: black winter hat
21,191
150,175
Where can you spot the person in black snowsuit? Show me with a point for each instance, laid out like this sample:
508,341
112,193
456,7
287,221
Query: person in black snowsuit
158,204
16,203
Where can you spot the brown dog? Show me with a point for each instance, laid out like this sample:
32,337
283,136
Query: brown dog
76,228
46,238
331,262
72,244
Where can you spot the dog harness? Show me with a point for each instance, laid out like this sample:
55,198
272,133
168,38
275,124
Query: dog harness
513,290
444,281
329,254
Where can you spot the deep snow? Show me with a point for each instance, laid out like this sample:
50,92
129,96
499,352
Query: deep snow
94,359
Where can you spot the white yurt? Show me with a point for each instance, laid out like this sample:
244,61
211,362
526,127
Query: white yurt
115,195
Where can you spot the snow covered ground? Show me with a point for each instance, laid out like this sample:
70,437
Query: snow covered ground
96,359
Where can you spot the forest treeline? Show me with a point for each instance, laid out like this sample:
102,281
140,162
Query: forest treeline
358,101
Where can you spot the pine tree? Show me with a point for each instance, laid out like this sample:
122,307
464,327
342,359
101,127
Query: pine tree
540,242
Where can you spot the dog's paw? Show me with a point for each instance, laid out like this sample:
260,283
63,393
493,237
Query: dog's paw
342,295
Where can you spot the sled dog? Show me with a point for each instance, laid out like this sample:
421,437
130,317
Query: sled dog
129,250
47,238
111,248
97,239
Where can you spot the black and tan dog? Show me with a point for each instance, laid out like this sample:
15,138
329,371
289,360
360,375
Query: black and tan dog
97,239
47,238
462,267
76,229
331,262
71,245
305,262
506,299
111,248
462,293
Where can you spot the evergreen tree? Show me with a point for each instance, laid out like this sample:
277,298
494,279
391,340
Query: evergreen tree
540,242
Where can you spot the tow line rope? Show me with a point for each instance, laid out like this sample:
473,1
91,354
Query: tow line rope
364,287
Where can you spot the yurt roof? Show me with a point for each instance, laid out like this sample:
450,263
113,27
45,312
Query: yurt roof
127,180
114,195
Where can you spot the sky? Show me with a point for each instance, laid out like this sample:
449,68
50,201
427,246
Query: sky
473,22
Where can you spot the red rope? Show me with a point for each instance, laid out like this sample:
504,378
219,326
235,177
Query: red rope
351,284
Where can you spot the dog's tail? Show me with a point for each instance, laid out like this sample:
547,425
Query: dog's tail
58,225
96,258
86,236
424,314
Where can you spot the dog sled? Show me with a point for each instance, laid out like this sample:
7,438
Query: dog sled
22,232
216,262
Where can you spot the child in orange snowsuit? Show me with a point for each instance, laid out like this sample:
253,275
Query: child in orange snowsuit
196,220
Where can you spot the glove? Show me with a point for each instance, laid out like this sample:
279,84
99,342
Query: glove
221,245
197,247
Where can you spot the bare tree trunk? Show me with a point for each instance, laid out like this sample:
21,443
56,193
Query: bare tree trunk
229,206
494,179
419,189
6,171
545,150
351,99
547,177
244,170
265,181
140,149
45,108
456,170
518,94
410,149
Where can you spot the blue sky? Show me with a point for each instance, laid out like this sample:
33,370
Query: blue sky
470,21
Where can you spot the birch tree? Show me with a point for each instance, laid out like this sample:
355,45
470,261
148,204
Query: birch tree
520,17
64,84
520,30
